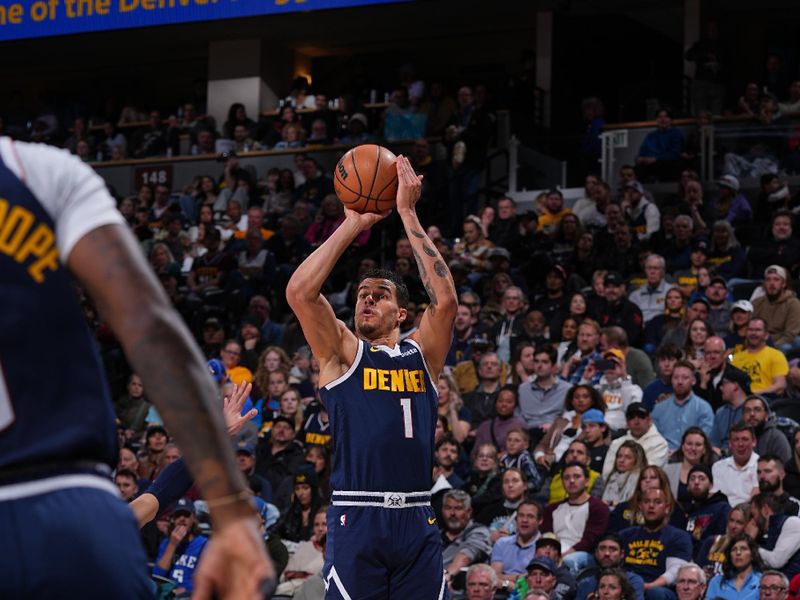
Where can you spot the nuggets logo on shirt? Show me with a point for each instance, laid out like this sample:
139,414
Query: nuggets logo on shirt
22,239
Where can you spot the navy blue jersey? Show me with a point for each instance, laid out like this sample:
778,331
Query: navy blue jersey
54,403
383,419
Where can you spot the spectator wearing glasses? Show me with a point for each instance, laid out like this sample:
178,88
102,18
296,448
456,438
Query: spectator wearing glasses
691,583
774,586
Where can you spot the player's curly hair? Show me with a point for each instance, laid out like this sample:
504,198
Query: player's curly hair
400,286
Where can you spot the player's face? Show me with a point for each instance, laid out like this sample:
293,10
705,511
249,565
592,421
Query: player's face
513,486
377,312
127,487
608,553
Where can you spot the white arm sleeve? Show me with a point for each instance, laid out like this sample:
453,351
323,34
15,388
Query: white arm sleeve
73,195
673,564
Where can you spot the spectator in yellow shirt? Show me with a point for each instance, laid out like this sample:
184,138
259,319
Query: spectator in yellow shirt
766,366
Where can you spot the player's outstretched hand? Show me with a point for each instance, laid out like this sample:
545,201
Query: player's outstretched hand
409,185
235,564
365,220
232,408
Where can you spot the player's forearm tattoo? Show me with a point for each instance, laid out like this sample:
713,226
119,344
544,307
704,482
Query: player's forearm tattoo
420,264
429,251
418,234
432,295
440,268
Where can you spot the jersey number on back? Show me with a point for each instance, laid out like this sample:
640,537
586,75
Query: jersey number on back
6,410
408,424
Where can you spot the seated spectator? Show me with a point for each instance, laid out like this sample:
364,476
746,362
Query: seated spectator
452,407
608,556
695,449
651,296
484,483
630,512
554,211
464,541
615,386
780,248
237,116
667,356
658,330
357,131
542,400
767,367
588,351
618,310
666,548
737,475
774,585
480,401
517,456
279,454
730,204
777,534
771,474
771,440
329,219
128,484
567,427
542,576
641,430
499,515
297,522
621,483
319,134
687,277
711,553
179,554
577,521
659,154
683,409
446,455
779,308
473,249
726,254
495,429
308,558
317,185
706,510
150,140
741,313
643,215
613,583
481,582
691,582
511,554
712,368
792,481
553,489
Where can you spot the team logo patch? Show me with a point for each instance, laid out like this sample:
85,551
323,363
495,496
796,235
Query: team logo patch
394,500
343,520
431,520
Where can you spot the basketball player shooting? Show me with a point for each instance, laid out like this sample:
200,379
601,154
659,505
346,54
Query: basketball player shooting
383,541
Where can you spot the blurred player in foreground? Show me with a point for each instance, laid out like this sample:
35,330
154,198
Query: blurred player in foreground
383,541
57,434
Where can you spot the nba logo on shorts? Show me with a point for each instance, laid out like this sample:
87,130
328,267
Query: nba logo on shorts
343,520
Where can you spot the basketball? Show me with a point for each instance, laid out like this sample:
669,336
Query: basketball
365,179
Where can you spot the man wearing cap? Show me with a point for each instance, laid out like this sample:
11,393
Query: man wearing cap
656,550
737,475
734,386
608,555
213,337
683,409
553,300
650,296
642,431
779,308
279,454
741,313
771,473
643,215
512,553
771,440
616,387
707,510
549,546
542,575
179,554
731,204
719,315
246,459
766,366
616,309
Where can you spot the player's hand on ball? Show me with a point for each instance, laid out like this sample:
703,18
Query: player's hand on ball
365,220
409,185
235,564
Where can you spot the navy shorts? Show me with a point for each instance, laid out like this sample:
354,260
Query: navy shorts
74,542
383,553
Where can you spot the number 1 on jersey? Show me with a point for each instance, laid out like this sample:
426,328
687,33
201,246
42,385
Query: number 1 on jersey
408,424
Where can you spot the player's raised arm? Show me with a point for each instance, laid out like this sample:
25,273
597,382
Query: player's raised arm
108,261
331,342
436,328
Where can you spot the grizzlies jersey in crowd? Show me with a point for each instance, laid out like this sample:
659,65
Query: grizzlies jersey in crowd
54,403
383,419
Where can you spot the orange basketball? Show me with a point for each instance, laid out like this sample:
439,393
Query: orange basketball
365,179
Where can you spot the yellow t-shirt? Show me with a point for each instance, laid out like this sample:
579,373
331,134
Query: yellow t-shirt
557,491
548,221
762,366
239,374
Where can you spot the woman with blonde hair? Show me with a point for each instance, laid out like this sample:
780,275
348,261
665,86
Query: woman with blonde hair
629,512
451,406
712,550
